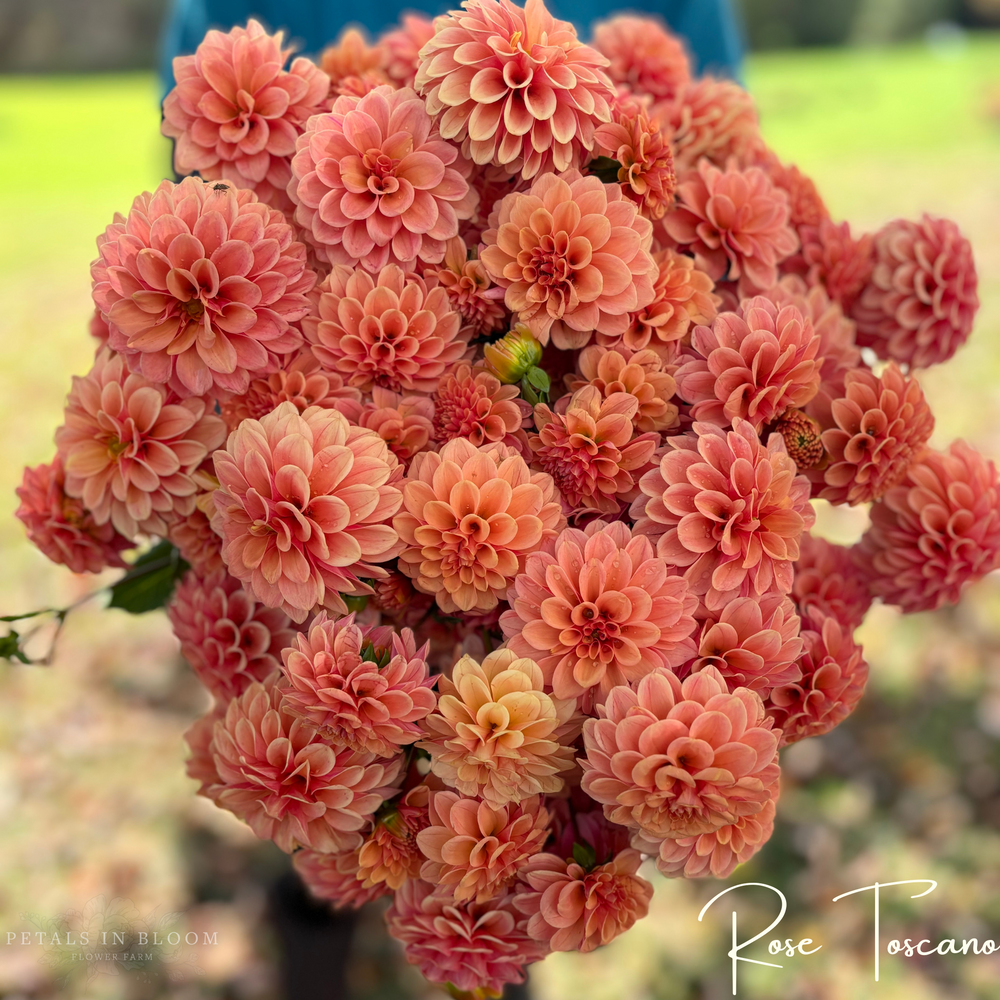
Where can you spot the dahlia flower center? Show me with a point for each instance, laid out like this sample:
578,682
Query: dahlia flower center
550,263
194,308
594,631
117,447
381,172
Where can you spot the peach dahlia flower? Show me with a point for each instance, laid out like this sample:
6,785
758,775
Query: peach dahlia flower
235,113
375,184
390,854
515,87
673,759
644,56
470,517
360,686
496,733
334,878
130,447
287,784
478,850
303,505
599,610
730,510
200,285
475,406
573,256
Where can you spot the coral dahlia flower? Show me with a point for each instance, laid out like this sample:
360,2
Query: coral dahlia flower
753,642
496,733
709,119
476,407
61,528
516,88
390,330
401,48
200,285
833,258
303,505
673,759
575,909
754,363
715,854
302,383
834,674
364,687
936,532
920,304
194,537
475,947
405,423
286,783
478,850
882,424
228,638
129,447
390,855
731,512
397,600
591,451
236,113
735,222
353,66
573,256
374,183
470,517
599,610
828,578
334,878
643,55
473,296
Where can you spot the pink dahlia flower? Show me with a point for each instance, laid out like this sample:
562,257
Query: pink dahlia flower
476,407
478,850
200,766
200,286
391,330
404,423
834,674
360,686
807,207
129,447
195,538
715,854
711,119
375,184
353,66
573,256
516,88
334,878
753,642
754,363
390,855
286,783
674,759
643,55
475,947
401,48
731,512
882,424
497,734
920,304
473,296
228,638
936,532
303,505
735,222
576,909
833,258
61,528
640,374
682,296
302,383
828,579
591,450
470,518
599,610
236,113
646,171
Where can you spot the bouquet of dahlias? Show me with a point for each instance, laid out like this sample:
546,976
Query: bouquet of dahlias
474,387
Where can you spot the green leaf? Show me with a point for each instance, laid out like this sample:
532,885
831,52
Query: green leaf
10,647
355,603
539,379
605,168
584,855
528,393
150,582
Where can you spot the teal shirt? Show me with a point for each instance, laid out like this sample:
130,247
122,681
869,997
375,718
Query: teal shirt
710,28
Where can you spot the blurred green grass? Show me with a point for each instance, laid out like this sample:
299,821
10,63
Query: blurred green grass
91,788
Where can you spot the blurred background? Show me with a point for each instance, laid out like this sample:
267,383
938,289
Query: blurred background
893,107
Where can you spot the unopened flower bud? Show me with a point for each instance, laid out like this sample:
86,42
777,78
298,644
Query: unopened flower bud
513,356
